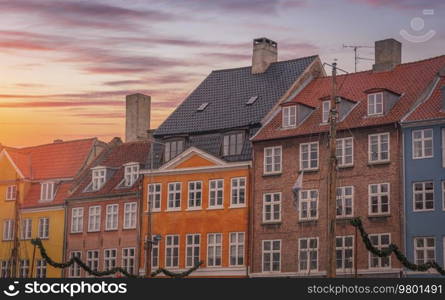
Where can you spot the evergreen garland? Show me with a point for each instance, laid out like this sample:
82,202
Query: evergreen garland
38,243
392,248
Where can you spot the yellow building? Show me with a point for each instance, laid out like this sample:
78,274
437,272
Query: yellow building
43,176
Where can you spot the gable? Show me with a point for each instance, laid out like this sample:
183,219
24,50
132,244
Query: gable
193,158
9,170
195,161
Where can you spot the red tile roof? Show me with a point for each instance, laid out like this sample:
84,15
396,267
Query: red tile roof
32,198
409,80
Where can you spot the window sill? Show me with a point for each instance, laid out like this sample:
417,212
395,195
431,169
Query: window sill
152,211
379,216
76,232
426,157
309,170
380,162
172,209
346,166
307,221
93,231
423,210
193,209
129,228
237,206
111,230
275,174
271,223
215,208
8,200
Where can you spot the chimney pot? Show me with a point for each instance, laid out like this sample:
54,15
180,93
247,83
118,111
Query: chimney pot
264,53
388,54
137,118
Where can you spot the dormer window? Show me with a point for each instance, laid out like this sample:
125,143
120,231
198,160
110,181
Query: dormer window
233,144
203,106
326,107
375,104
173,149
47,191
131,174
289,116
98,178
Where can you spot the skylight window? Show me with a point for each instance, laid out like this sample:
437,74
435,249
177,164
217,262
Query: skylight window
203,106
251,100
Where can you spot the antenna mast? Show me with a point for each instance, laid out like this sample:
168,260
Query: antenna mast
356,55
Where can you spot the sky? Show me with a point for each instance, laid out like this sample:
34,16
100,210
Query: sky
66,65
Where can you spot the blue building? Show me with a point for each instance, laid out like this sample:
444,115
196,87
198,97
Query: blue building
424,178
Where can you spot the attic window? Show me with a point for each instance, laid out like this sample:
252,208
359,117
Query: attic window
98,177
233,144
47,191
289,116
131,174
203,106
326,107
375,104
251,100
173,149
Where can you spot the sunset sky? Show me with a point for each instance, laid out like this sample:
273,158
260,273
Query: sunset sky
66,66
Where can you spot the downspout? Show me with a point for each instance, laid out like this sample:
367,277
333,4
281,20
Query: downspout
403,224
251,214
140,195
65,238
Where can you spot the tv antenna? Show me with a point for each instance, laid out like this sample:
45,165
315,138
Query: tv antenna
356,56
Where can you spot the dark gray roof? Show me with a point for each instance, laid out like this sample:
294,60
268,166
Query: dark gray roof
227,92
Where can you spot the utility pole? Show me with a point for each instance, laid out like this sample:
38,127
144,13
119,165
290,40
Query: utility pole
332,175
15,248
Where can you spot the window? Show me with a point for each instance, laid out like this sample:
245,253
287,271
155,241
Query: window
345,152
308,254
172,251
308,205
8,230
214,249
24,268
75,269
93,259
5,269
251,100
344,252
111,220
195,194
94,218
203,106
375,104
173,149
289,116
131,174
110,259
77,220
272,256
271,207
47,191
154,253
379,147
326,108
236,247
99,176
130,210
26,229
174,196
154,196
309,156
379,199
381,242
216,193
41,268
424,250
43,228
11,192
128,259
192,249
272,160
423,195
345,200
238,187
233,144
422,143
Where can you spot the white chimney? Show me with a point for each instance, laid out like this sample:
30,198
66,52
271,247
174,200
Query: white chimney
137,117
265,52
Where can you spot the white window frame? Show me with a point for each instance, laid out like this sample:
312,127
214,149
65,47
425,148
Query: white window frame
26,229
8,229
24,268
191,249
94,213
309,153
41,270
214,249
93,259
131,174
153,192
289,116
308,251
341,147
5,269
237,248
154,258
423,193
342,197
275,166
216,194
75,271
129,259
43,232
47,191
193,192
325,111
425,249
273,203
379,146
110,259
377,106
379,194
271,253
233,143
130,215
171,152
175,250
112,217
76,219
343,249
98,178
306,199
421,141
11,193
380,247
238,192
172,199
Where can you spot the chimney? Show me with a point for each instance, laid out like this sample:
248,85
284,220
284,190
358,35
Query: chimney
388,54
264,53
137,117
442,97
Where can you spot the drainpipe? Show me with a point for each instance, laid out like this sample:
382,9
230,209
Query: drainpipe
403,219
65,238
251,213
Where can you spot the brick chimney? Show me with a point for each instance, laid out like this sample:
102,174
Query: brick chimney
264,53
388,54
137,117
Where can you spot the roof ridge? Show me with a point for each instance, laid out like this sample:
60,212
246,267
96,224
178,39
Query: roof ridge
58,143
